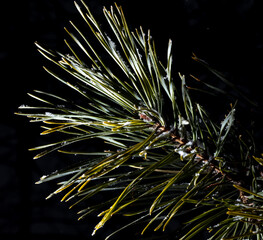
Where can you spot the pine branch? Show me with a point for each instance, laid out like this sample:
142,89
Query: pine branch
167,156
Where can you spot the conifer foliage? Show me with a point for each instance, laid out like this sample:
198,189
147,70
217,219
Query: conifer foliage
163,155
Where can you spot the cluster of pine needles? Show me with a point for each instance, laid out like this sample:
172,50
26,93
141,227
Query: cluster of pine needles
163,156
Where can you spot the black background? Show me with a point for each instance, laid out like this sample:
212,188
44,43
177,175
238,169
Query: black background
227,34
